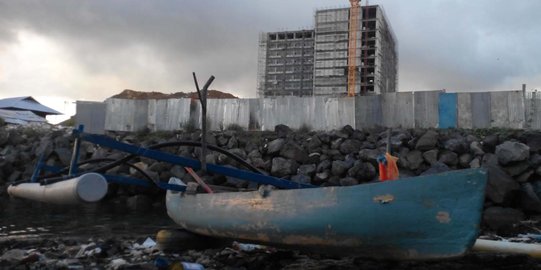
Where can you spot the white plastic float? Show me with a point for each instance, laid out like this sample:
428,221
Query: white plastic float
90,187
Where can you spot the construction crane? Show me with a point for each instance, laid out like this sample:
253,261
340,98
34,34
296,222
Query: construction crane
352,46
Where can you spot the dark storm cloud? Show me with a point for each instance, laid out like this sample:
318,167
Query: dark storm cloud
460,45
466,45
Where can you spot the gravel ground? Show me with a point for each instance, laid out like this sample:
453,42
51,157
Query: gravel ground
130,253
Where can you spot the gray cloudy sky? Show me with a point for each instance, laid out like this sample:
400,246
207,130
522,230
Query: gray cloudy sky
92,49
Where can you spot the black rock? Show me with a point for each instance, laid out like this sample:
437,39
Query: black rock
535,160
363,171
321,177
529,200
464,160
323,165
476,148
314,144
370,155
516,168
415,159
348,181
301,179
275,146
532,139
233,143
339,168
347,129
431,156
436,168
282,167
4,136
350,146
307,169
501,188
459,146
358,135
293,151
428,141
489,143
510,151
502,220
449,158
282,130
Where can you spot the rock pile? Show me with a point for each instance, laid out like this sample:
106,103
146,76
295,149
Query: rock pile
329,158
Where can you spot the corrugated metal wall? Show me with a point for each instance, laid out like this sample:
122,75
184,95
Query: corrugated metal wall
404,109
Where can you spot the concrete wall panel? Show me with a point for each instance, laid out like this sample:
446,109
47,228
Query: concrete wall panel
499,111
480,107
91,115
398,110
338,113
464,111
126,114
426,109
168,114
255,114
368,112
516,109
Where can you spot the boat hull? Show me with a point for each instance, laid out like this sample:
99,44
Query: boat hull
423,217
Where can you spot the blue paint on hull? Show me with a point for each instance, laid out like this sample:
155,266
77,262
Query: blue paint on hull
414,218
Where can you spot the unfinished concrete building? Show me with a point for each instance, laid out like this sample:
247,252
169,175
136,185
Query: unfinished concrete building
284,65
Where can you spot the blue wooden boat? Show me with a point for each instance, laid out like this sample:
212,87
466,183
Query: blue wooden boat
424,217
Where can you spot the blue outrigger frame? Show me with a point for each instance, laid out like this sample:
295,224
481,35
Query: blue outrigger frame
105,141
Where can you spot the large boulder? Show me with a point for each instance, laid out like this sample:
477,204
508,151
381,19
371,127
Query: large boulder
350,146
476,148
431,156
502,220
511,151
532,139
489,143
457,145
275,146
293,151
362,171
428,141
340,168
501,188
436,168
529,200
307,169
282,130
414,159
282,167
449,158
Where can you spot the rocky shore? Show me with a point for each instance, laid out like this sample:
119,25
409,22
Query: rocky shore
331,158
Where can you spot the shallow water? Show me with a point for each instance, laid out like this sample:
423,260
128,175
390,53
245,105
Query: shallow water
21,219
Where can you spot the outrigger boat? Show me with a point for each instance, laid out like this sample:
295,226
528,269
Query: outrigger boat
426,217
415,218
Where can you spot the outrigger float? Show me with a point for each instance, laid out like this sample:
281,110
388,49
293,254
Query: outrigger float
426,217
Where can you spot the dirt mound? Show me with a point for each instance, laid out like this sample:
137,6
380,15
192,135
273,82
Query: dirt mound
132,94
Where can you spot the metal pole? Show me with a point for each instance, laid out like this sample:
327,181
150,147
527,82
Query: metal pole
75,154
203,100
388,141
